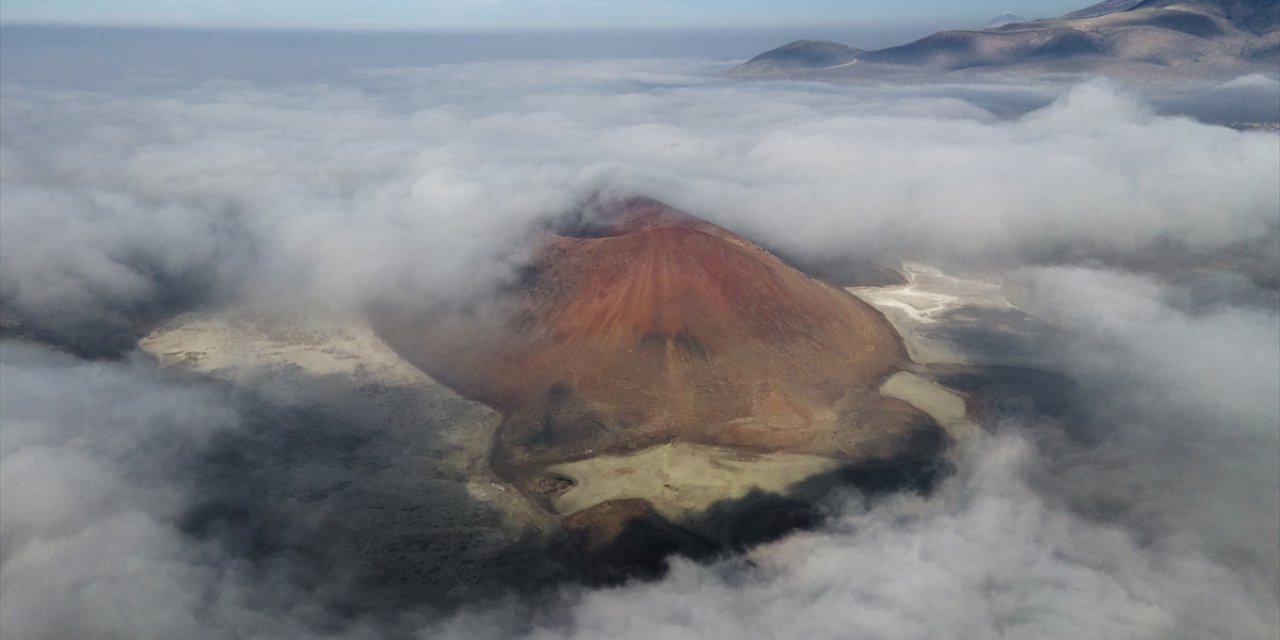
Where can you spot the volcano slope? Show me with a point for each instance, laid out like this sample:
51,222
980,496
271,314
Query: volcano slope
640,336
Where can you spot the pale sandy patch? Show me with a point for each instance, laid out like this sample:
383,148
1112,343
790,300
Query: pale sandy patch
344,366
682,479
942,404
928,295
240,346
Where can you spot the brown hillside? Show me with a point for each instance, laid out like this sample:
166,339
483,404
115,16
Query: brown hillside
646,326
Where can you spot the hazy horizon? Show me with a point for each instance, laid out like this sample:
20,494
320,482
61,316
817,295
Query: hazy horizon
509,15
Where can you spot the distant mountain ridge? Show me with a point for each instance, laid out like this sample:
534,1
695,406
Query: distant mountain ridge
1150,37
802,54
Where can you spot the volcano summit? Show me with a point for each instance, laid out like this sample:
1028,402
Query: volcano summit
642,339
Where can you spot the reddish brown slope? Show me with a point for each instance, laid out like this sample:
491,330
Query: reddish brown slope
652,326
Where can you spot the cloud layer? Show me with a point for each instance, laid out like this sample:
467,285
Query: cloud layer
1150,242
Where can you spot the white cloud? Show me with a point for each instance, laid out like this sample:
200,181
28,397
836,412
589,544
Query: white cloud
1154,518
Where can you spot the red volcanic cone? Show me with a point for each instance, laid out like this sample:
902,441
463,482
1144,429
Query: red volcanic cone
643,326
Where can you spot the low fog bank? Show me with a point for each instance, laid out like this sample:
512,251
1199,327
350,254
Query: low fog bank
120,208
150,504
1150,242
103,56
93,488
1185,427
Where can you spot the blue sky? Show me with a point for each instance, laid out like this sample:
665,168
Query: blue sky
517,14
